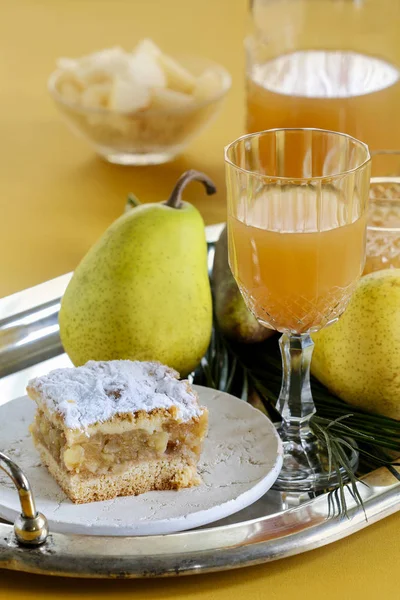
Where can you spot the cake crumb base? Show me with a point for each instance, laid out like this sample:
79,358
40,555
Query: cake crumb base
167,473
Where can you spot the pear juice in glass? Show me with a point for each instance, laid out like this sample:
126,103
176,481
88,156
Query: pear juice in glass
297,202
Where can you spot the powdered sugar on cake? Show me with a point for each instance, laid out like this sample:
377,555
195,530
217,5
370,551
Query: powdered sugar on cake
98,391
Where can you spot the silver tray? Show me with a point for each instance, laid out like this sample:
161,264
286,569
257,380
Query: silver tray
276,526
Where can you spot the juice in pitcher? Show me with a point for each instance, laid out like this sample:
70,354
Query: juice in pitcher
338,90
331,64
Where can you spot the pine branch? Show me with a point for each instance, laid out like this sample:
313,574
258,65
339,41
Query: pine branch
244,369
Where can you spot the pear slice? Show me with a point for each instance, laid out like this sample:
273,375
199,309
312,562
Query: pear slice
67,64
170,99
70,92
143,63
147,46
102,66
128,95
178,78
110,60
96,96
208,85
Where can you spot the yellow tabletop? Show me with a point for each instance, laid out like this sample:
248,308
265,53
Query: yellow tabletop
57,198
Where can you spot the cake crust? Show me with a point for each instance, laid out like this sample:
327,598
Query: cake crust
166,474
99,392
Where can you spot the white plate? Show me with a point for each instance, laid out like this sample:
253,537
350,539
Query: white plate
241,460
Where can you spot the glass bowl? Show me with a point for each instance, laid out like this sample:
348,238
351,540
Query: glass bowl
149,136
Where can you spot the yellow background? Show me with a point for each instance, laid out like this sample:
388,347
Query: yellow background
57,198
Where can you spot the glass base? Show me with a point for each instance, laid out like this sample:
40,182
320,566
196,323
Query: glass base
137,160
306,467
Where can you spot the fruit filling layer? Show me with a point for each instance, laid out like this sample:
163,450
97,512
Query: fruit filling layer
101,453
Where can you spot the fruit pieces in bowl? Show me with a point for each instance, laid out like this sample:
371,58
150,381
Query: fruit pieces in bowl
140,107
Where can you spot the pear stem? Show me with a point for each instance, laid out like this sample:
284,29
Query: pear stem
175,199
132,201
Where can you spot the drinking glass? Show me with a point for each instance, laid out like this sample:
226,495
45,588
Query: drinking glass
383,228
297,210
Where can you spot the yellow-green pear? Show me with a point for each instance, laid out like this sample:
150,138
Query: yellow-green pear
358,358
234,318
142,292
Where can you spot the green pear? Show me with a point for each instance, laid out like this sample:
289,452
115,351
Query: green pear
142,291
233,317
358,357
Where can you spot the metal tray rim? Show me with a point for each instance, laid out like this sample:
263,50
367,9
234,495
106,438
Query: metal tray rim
265,539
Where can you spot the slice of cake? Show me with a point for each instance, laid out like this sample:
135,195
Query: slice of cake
117,428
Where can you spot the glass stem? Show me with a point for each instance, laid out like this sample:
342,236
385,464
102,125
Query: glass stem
295,402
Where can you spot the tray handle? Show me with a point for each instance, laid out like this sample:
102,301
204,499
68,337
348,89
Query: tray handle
30,527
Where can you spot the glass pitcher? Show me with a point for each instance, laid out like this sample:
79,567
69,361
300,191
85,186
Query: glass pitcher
332,64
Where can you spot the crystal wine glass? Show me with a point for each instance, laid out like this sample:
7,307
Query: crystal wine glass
297,210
